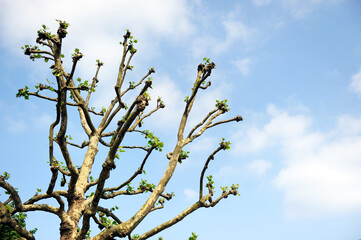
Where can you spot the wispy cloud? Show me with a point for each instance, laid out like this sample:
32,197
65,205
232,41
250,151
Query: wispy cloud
15,125
259,3
259,167
321,171
173,97
355,85
236,33
190,194
170,18
43,121
97,30
243,65
302,8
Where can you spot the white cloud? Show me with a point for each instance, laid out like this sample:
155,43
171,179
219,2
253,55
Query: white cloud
261,2
243,65
355,85
259,167
348,125
299,8
281,126
96,28
15,125
204,145
190,194
235,32
43,121
321,171
228,171
173,98
170,18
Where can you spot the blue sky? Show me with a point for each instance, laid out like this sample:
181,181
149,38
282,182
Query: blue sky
291,68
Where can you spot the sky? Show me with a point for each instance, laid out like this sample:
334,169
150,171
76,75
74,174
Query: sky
290,68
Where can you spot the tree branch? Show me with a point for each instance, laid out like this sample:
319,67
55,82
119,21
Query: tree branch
211,157
171,222
13,193
139,171
5,218
202,122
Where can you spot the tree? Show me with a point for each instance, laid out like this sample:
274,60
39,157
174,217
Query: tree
6,231
76,207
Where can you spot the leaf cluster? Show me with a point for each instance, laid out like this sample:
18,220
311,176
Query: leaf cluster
145,185
222,105
210,181
225,145
23,92
153,141
6,232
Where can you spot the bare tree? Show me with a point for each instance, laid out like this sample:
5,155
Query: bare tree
75,207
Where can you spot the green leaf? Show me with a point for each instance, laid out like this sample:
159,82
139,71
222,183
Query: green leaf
193,237
24,92
6,175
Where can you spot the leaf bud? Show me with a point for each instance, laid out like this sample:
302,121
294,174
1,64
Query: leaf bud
200,67
239,118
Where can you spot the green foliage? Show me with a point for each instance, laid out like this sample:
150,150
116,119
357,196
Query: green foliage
153,141
63,24
60,164
113,208
130,189
145,185
224,189
160,101
226,145
29,47
146,95
120,149
57,72
206,60
24,92
91,194
87,235
39,87
186,99
183,155
44,34
193,237
107,222
222,105
6,175
210,181
85,84
6,232
235,186
131,85
135,236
